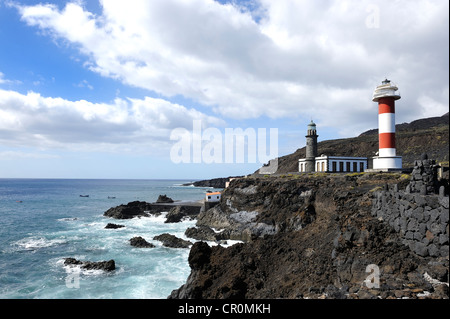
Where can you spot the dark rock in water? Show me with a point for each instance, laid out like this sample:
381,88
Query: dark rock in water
72,261
172,241
164,199
175,214
101,265
91,265
180,212
202,232
144,209
113,226
140,242
130,210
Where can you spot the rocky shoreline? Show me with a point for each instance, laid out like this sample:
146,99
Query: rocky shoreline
309,236
176,212
219,182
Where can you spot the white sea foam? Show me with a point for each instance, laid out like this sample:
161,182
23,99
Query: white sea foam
33,243
78,270
67,219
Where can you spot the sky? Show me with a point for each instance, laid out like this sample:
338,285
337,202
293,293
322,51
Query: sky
149,89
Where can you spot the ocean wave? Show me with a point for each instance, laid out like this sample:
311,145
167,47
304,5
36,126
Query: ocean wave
67,219
148,220
78,270
34,243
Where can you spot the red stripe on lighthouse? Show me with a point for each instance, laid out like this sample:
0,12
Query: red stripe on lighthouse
386,140
386,105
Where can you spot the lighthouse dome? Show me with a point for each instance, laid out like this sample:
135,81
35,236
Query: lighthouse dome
312,129
386,89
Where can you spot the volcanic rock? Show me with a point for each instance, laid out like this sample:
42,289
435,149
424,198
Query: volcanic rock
130,210
164,199
90,265
323,238
113,226
140,242
172,241
202,233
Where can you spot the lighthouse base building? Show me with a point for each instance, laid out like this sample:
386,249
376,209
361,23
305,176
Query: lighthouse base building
335,164
387,163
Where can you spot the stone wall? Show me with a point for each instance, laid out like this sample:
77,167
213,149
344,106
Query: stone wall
424,177
421,220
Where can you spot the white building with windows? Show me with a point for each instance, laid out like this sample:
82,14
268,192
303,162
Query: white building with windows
333,164
213,197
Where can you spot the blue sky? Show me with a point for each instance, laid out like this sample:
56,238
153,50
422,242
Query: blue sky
94,89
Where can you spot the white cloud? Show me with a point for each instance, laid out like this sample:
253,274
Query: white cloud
299,58
44,122
3,80
84,84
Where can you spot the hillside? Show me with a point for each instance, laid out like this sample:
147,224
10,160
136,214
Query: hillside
429,135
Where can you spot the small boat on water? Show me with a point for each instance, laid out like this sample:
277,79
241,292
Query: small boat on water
84,195
111,197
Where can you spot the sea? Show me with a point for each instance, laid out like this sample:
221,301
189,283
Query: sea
43,221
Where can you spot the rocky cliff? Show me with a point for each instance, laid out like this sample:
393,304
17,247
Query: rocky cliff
310,236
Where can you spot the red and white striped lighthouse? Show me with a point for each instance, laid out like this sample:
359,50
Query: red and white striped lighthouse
386,95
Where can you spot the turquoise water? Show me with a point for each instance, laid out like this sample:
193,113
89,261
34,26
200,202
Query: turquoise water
44,221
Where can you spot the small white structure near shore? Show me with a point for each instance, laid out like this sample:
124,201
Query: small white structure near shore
213,197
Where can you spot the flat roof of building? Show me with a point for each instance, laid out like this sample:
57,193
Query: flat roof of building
336,158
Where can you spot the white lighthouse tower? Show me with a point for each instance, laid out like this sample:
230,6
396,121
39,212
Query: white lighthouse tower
386,95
